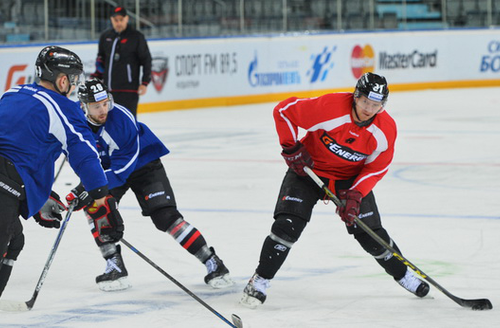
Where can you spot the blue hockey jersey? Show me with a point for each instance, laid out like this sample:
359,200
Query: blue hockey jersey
36,125
125,145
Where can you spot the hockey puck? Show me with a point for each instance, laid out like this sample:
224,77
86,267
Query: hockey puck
68,183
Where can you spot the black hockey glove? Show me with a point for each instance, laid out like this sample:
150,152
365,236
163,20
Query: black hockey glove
49,215
105,220
79,197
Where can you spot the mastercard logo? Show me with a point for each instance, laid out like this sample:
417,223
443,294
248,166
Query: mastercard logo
362,60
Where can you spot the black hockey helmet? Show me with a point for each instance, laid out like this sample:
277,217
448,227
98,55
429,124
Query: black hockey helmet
53,60
372,86
92,91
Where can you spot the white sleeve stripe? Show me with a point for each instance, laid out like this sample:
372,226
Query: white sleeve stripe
45,99
290,126
132,160
331,124
379,135
136,155
369,176
126,112
372,157
14,89
55,131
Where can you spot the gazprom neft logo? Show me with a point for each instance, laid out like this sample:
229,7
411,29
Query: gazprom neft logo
375,96
266,79
365,215
155,194
293,199
342,151
101,95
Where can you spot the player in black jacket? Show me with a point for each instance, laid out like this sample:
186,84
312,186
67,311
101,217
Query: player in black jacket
122,52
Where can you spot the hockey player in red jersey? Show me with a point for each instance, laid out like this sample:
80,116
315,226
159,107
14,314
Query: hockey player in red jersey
349,143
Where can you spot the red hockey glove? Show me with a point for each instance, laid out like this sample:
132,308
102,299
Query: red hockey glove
79,197
50,213
296,157
105,220
352,200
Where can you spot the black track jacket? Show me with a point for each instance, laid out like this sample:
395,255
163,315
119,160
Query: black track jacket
119,59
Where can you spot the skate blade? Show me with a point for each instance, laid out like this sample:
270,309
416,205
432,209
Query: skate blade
114,285
250,302
221,282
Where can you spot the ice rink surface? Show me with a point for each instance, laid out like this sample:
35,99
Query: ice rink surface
440,202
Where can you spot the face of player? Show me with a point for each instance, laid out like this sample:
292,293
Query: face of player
98,111
365,108
119,23
66,84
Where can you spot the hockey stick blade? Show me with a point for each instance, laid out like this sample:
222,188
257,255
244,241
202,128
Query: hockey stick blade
477,304
13,306
237,321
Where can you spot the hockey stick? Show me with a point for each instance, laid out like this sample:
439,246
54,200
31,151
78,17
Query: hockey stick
476,304
60,168
28,305
236,319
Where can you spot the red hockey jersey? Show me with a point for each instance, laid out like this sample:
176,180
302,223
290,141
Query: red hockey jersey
340,149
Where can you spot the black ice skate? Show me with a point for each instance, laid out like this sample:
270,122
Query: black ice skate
115,276
218,274
254,293
414,285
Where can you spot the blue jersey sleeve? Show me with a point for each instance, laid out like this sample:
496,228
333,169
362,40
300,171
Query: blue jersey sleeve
80,147
36,125
121,138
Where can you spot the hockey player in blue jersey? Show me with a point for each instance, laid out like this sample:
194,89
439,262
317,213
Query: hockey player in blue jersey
37,123
130,154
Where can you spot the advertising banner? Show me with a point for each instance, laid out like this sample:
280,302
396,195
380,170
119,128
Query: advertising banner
191,73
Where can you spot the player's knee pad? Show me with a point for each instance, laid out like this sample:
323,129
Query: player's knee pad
287,229
165,217
372,246
156,197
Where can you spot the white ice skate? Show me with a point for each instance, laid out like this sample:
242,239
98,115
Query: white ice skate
414,285
254,293
115,277
218,275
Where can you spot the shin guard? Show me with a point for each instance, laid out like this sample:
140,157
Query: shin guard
190,239
384,258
